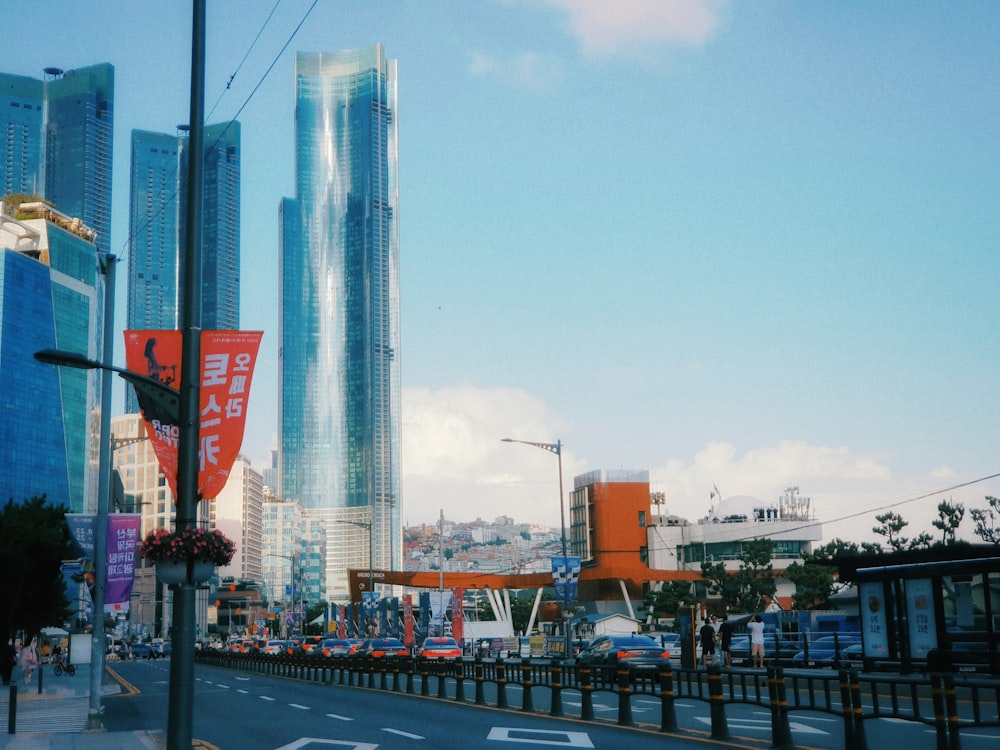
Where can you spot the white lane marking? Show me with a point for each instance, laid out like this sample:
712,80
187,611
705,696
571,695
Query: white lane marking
299,706
763,725
537,737
241,690
340,718
224,687
306,741
401,733
243,679
266,698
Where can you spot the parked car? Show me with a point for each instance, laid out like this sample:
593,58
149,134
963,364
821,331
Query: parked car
383,648
440,647
633,651
143,651
275,647
310,645
825,651
339,647
783,647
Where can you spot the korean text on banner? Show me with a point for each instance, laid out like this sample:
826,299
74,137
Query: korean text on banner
227,362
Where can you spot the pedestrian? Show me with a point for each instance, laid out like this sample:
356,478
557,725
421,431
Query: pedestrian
8,658
726,631
28,659
756,629
707,639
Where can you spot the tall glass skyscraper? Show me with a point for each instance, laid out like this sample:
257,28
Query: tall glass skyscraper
339,319
56,137
157,233
57,141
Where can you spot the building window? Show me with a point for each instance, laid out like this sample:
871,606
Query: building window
642,519
644,554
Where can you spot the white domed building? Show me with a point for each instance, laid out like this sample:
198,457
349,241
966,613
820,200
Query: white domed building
722,535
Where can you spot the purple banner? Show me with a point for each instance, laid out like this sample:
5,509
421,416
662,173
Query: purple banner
123,541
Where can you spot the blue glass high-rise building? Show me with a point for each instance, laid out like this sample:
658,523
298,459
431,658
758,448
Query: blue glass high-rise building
57,138
51,296
157,234
339,311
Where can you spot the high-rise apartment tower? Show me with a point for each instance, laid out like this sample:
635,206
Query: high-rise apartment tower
339,311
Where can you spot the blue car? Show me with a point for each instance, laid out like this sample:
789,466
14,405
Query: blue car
826,651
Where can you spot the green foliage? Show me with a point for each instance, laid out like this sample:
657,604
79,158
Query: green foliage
949,518
750,587
665,601
986,519
34,542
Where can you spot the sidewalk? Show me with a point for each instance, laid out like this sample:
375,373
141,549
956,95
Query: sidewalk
56,718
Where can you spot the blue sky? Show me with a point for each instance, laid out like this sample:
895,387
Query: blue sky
748,244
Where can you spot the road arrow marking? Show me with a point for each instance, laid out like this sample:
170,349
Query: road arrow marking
540,737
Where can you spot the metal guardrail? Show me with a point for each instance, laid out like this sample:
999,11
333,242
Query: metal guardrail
947,703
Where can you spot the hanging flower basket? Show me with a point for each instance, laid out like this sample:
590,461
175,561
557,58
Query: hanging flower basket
189,545
173,572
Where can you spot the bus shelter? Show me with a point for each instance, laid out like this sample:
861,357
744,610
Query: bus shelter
929,609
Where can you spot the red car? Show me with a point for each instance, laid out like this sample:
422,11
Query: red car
439,647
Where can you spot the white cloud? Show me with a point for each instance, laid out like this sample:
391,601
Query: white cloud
530,71
606,27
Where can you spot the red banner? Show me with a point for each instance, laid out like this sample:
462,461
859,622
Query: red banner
227,362
408,620
457,614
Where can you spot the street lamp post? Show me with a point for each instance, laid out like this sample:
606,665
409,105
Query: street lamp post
556,448
159,397
371,571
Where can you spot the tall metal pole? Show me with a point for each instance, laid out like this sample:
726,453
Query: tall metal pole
556,448
371,571
180,714
98,643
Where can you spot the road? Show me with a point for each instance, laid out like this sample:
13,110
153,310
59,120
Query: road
242,710
246,710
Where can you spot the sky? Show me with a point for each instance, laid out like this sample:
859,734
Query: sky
740,245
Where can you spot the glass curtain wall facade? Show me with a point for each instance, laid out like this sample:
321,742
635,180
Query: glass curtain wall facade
50,294
339,368
156,231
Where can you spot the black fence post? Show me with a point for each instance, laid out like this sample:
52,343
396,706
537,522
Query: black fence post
720,730
425,682
940,718
479,672
527,703
951,704
586,694
556,708
442,688
624,697
460,681
668,712
847,710
411,671
860,742
782,734
12,710
501,684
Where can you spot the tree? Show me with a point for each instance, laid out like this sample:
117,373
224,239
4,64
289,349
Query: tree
985,520
949,518
891,524
814,577
665,601
34,542
749,588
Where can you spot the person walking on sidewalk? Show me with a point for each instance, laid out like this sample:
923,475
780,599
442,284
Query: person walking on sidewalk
8,658
707,638
28,660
